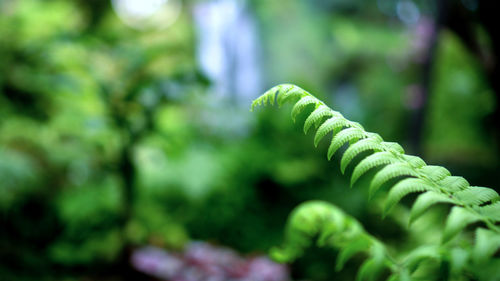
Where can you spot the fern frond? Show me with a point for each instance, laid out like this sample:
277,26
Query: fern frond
394,147
407,174
476,195
400,276
370,162
390,172
403,188
372,267
302,104
335,229
354,150
425,201
434,173
457,220
316,116
454,183
346,135
268,96
414,161
491,211
289,92
334,124
358,245
421,254
459,259
487,243
444,185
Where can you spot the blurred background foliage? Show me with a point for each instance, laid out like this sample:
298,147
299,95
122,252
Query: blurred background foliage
126,123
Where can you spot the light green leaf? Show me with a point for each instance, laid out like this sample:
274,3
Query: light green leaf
476,195
288,92
458,260
453,183
357,246
403,188
394,147
372,267
368,270
487,243
333,124
457,220
350,134
390,172
414,161
357,148
421,254
490,211
302,104
268,96
434,173
370,162
316,116
425,201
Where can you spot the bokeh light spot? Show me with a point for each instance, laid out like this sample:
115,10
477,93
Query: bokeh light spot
147,14
408,12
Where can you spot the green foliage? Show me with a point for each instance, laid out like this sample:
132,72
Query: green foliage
459,85
335,229
79,104
79,89
404,174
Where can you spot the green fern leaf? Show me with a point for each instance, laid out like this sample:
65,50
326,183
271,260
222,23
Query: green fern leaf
476,195
357,148
359,126
425,201
434,173
373,266
490,211
393,277
268,96
487,243
394,147
287,92
403,188
357,246
370,162
454,183
368,270
283,255
316,116
334,228
403,275
302,104
457,220
350,134
458,261
333,124
389,172
414,161
421,254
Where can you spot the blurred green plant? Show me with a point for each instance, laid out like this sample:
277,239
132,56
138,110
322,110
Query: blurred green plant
109,139
79,100
402,174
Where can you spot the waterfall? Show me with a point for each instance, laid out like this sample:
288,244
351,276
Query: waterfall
228,49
